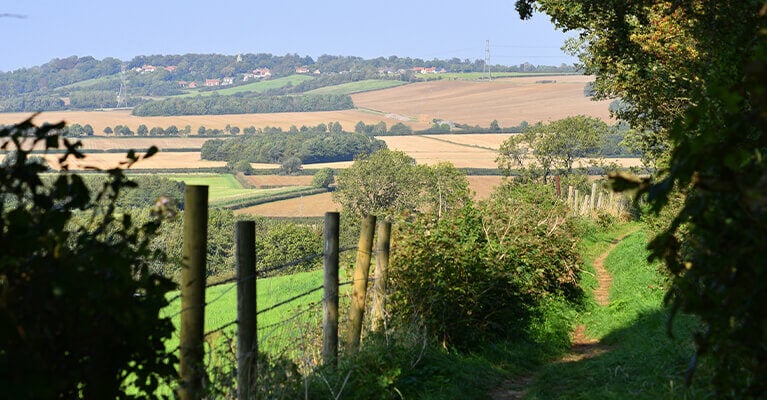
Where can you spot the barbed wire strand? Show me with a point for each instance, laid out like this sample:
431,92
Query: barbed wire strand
221,328
296,297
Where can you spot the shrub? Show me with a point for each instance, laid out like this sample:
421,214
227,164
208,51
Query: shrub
476,274
323,178
80,310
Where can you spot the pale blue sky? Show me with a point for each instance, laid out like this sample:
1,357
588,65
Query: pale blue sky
419,28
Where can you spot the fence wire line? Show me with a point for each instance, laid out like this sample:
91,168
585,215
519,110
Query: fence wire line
270,308
296,297
290,318
280,267
257,274
221,328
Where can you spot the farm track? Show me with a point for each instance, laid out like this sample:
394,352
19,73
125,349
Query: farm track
582,347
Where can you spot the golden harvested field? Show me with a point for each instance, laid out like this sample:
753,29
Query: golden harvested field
430,151
317,205
508,100
307,206
492,140
101,119
483,185
106,143
279,180
159,160
136,143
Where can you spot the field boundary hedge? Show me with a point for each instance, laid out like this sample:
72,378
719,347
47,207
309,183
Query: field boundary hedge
254,201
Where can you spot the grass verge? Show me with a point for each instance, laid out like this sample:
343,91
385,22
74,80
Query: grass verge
641,361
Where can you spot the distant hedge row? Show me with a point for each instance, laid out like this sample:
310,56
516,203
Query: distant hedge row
217,105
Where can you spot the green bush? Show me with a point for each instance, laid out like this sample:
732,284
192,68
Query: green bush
476,274
323,178
79,307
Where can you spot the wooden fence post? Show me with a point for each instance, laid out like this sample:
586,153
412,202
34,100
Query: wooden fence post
194,253
577,202
380,274
247,325
558,182
593,197
330,302
361,272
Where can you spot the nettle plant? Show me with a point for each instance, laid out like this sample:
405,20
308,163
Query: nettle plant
79,308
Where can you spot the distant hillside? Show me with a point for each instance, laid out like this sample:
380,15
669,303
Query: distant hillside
85,83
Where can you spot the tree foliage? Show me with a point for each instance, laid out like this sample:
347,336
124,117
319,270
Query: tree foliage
217,105
389,183
79,307
310,146
553,148
692,74
384,184
323,178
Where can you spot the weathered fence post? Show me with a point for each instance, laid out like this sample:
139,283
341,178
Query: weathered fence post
361,272
576,202
194,253
330,302
593,197
558,181
247,325
569,195
382,265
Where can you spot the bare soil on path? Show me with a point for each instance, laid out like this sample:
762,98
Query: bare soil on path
582,347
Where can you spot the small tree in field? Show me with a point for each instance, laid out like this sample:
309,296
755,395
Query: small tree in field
323,178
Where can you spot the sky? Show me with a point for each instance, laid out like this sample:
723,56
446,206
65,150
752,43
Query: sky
36,31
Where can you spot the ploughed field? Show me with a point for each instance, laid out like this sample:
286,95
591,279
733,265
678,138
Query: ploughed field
508,100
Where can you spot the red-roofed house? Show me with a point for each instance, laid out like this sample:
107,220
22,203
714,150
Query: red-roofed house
262,72
212,82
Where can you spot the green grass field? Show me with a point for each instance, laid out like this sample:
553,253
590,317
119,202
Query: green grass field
357,87
256,87
225,191
220,186
90,82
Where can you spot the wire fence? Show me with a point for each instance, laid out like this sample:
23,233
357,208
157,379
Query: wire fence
289,319
275,310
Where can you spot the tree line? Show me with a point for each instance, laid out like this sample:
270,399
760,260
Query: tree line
322,143
59,84
216,105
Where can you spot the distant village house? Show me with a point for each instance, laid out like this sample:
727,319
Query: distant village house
258,73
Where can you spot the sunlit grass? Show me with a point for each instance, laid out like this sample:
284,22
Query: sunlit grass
641,361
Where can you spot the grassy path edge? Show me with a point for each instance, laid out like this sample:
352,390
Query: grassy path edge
595,255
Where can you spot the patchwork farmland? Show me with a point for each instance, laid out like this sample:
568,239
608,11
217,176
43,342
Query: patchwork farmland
508,100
